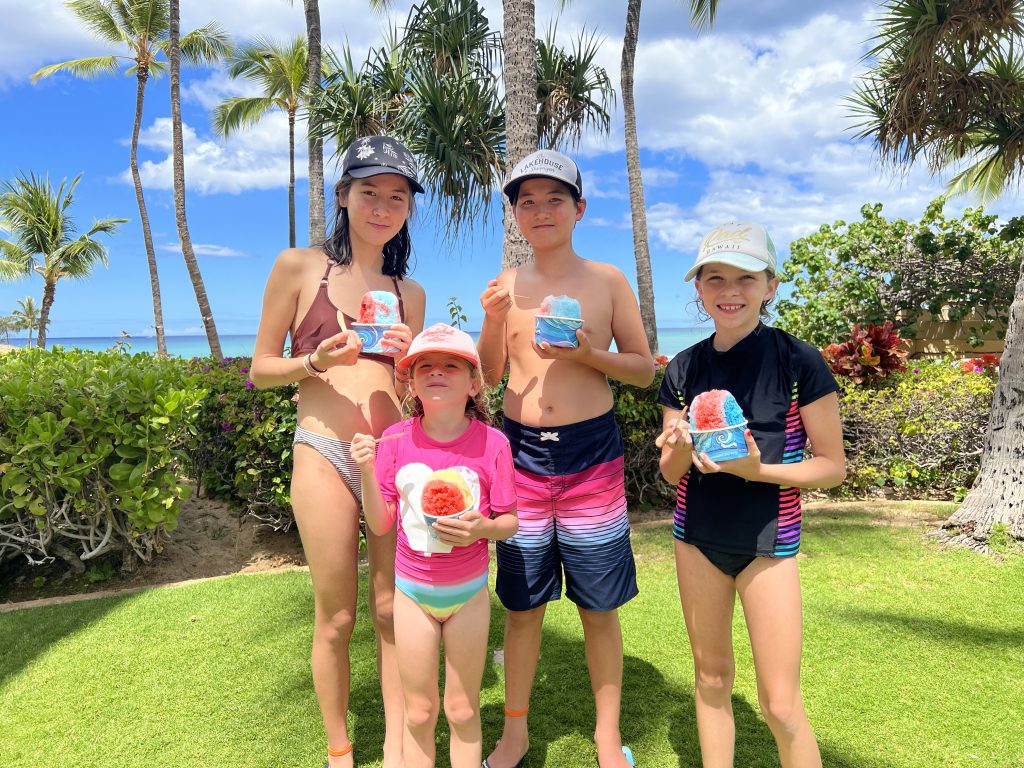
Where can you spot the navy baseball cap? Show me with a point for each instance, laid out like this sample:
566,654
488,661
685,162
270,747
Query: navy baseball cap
374,155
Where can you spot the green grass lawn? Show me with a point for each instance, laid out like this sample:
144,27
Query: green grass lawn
914,656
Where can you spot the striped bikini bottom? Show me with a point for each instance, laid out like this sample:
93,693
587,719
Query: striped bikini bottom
337,452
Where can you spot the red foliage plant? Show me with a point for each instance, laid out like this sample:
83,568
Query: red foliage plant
871,353
987,363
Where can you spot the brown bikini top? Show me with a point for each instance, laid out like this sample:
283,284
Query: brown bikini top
321,322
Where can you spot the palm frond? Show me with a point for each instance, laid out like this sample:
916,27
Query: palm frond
240,112
702,14
985,179
206,45
85,68
99,19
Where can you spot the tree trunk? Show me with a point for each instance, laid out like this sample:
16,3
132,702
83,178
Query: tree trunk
174,54
317,216
519,73
147,236
997,496
644,280
49,289
291,178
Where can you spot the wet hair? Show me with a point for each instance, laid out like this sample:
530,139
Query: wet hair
765,311
338,245
513,193
476,405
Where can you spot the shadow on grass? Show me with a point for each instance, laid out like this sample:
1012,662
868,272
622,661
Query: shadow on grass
27,633
940,630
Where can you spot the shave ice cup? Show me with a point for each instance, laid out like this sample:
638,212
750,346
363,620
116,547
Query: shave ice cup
557,321
717,426
378,311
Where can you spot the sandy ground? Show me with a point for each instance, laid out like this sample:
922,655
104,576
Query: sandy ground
208,542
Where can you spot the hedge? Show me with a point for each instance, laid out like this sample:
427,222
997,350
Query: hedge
90,449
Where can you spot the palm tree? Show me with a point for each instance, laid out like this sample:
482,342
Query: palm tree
946,86
7,324
317,215
281,70
26,317
573,92
141,25
520,76
187,252
44,239
702,15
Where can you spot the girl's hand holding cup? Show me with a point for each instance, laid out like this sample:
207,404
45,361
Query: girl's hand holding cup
398,337
363,450
463,530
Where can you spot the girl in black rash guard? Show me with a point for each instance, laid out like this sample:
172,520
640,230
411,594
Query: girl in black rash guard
737,522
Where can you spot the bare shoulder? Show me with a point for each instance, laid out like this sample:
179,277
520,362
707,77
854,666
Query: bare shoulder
411,288
508,275
296,262
603,271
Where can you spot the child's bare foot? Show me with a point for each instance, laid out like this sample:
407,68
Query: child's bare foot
509,752
610,753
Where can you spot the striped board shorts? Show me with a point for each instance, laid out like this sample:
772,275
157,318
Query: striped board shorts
572,518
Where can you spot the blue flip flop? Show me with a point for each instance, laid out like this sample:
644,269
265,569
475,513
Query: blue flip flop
628,753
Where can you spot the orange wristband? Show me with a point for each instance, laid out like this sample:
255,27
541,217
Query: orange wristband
516,712
340,752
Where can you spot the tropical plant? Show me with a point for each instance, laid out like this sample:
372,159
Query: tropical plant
187,252
281,71
434,89
870,354
945,87
7,325
44,238
26,317
874,269
141,26
573,92
702,16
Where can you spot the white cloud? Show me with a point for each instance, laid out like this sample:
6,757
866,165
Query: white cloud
252,159
204,249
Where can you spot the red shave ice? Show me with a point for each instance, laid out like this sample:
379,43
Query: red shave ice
441,499
378,307
715,409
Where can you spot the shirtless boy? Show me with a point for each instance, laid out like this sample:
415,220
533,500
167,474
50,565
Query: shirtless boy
566,447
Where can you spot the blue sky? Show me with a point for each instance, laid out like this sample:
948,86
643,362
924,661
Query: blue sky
744,122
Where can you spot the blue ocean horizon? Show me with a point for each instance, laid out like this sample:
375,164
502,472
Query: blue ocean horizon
671,341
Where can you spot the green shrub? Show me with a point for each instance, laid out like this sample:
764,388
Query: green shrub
90,446
919,434
241,451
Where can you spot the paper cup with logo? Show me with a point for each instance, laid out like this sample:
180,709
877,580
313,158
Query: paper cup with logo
557,331
431,519
372,336
721,444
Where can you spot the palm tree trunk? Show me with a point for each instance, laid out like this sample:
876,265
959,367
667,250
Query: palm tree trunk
49,289
174,54
291,178
641,251
147,236
520,75
997,496
317,215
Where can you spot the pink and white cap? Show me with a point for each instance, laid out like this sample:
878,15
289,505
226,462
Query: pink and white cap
441,338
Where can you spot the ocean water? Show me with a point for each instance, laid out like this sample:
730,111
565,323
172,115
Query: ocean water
670,342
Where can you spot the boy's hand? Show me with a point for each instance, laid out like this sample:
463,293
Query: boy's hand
398,337
748,467
676,435
363,451
578,354
463,530
340,349
496,301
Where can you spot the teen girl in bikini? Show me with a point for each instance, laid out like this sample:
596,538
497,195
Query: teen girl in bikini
342,391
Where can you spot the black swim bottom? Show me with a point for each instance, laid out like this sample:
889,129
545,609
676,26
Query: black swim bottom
727,562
